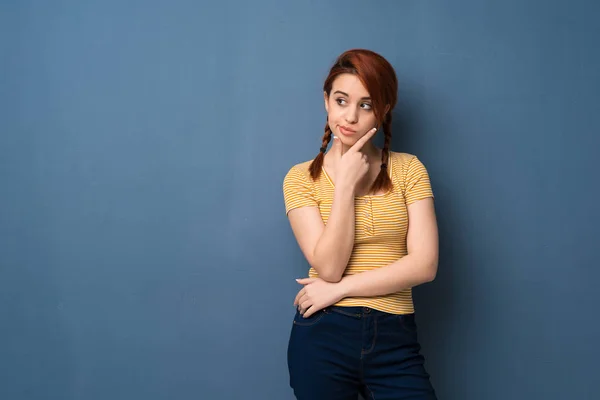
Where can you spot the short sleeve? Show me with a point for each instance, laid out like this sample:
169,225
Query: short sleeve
298,190
416,182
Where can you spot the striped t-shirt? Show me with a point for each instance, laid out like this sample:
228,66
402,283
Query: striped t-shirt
381,222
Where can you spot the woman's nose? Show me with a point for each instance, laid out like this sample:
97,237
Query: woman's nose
351,116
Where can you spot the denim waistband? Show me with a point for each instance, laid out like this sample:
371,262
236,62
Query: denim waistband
359,312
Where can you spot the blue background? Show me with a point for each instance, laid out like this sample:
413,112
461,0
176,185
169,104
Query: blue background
144,248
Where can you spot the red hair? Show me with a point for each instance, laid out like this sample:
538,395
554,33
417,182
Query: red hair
379,78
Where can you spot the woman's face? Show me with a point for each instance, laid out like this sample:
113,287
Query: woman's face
349,109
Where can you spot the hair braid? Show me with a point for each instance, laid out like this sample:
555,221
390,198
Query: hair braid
383,181
317,164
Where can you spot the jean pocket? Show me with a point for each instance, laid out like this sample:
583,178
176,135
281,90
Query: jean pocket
310,321
407,323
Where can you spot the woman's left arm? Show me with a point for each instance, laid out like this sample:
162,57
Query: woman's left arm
417,267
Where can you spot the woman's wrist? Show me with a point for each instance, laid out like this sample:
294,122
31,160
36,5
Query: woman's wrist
343,187
344,287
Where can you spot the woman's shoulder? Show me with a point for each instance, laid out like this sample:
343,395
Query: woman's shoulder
302,168
406,165
298,172
400,159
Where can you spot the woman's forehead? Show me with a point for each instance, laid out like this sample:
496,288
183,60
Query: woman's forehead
350,85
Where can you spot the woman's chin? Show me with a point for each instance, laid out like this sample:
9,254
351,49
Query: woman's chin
347,141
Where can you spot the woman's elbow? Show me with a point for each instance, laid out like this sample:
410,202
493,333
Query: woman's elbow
432,269
326,271
328,276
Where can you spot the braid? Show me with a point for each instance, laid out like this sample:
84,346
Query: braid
387,131
383,181
317,164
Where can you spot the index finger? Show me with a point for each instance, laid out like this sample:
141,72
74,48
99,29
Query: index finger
361,142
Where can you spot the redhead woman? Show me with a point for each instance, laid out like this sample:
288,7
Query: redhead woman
364,219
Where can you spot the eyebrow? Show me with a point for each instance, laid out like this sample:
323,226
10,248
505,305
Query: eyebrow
347,95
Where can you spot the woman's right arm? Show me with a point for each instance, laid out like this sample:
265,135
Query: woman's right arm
327,247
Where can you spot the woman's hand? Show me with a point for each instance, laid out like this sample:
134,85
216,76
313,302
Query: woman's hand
316,295
353,165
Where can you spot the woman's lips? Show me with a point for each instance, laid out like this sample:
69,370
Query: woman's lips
346,131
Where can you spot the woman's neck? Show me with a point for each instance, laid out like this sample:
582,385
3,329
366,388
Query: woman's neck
369,149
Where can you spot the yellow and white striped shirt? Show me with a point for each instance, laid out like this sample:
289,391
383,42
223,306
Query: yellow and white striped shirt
381,223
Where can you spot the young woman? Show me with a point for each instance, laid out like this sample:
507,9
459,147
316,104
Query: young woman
364,219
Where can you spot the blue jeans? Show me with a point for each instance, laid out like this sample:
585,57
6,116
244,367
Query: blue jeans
339,352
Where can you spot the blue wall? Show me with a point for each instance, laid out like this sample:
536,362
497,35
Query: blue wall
144,250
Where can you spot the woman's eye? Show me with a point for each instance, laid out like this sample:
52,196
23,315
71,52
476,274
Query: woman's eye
340,101
366,106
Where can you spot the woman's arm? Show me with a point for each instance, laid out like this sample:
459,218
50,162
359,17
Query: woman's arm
327,248
418,267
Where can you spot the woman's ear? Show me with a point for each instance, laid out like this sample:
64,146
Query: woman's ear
326,99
